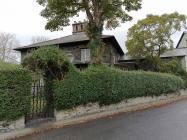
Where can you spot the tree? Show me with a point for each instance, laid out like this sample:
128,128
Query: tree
37,39
7,43
99,12
151,37
52,63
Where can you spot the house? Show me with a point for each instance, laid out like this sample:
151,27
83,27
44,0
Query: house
180,52
76,47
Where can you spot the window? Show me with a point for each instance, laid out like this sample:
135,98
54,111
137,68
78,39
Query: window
76,28
70,56
81,27
85,55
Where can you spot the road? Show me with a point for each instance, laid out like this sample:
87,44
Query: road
165,123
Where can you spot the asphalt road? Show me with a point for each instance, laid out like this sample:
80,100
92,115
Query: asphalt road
165,123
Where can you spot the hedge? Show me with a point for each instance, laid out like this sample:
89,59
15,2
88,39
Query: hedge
15,88
106,86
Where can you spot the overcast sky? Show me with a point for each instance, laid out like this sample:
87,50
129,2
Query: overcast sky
22,17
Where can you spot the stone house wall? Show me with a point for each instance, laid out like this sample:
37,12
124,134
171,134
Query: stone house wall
111,56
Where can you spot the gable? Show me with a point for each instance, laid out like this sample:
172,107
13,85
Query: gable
183,41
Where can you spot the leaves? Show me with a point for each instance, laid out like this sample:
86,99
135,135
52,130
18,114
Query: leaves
49,60
104,85
174,67
15,92
58,12
152,36
99,12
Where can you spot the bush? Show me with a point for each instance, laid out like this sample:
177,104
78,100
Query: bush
108,86
4,66
174,67
49,60
15,88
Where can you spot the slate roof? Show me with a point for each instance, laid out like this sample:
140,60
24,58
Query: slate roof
175,53
79,37
178,52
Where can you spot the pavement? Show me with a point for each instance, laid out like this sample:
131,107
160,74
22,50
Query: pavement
167,122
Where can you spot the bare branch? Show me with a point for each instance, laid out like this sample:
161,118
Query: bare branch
7,43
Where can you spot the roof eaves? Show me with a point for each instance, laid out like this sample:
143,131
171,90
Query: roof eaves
118,46
35,44
61,41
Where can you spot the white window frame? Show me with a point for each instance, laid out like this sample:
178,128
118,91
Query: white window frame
85,55
70,56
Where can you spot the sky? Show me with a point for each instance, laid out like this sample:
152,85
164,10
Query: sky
22,18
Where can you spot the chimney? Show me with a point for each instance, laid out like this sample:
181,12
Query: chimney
79,27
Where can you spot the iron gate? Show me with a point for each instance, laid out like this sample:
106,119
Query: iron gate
40,108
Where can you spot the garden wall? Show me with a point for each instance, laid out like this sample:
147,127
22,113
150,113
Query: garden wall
94,110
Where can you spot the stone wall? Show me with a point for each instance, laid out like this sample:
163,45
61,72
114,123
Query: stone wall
12,125
90,112
90,109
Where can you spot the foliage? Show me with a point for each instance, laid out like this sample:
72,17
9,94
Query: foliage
4,66
151,37
171,66
15,86
149,64
50,60
174,67
59,12
108,86
52,64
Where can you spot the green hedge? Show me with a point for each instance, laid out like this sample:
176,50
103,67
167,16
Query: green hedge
108,86
15,88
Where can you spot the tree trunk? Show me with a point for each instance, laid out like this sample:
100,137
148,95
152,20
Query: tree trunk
96,44
94,30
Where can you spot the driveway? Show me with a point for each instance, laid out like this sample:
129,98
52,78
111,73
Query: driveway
164,123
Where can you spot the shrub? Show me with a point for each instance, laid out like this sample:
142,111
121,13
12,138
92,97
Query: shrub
5,66
108,86
174,67
49,60
15,88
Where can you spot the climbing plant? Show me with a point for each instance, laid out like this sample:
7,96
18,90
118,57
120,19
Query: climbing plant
52,64
49,60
